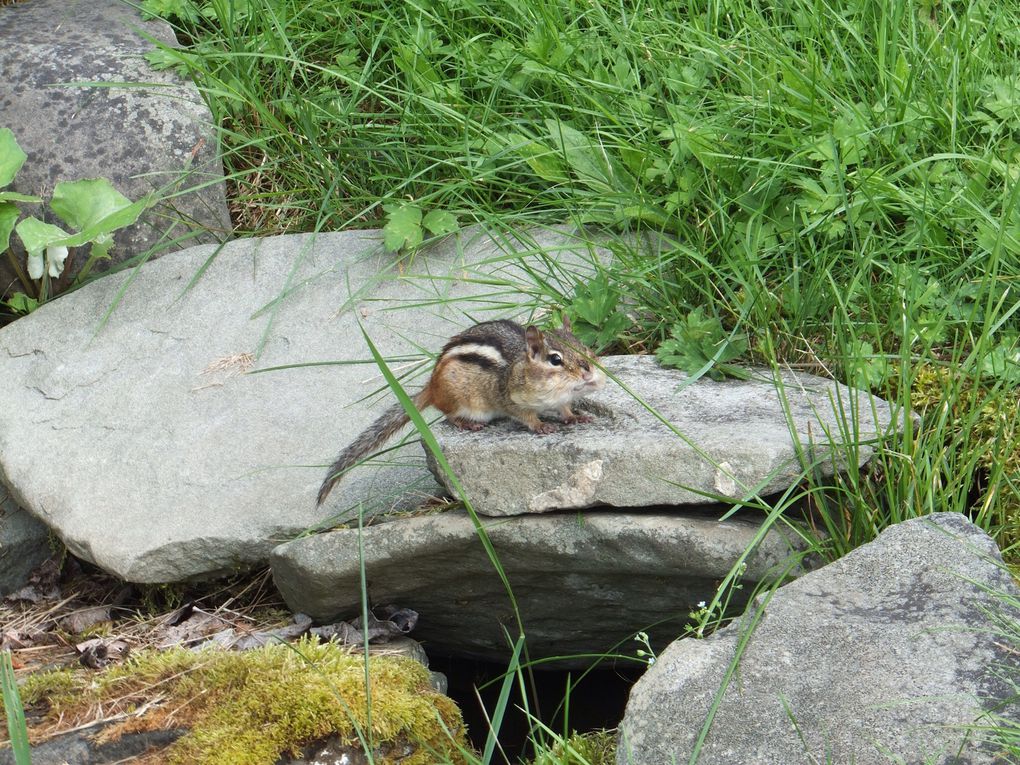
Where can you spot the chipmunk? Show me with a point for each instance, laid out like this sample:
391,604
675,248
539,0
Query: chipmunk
493,369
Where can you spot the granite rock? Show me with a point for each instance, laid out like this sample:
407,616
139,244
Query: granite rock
887,655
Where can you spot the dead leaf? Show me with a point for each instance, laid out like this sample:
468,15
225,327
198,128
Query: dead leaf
245,641
399,622
191,625
78,621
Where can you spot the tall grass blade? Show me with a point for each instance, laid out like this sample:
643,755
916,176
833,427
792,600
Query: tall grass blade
17,728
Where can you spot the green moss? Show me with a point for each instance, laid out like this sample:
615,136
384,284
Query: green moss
594,748
250,707
58,684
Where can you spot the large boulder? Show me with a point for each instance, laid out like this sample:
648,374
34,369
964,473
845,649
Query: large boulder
139,439
890,654
151,132
584,584
728,440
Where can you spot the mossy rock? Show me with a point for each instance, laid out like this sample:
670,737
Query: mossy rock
255,706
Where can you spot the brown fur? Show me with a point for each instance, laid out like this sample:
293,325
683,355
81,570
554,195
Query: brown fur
493,369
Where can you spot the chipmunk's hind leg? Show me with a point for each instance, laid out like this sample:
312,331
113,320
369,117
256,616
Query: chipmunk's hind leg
465,424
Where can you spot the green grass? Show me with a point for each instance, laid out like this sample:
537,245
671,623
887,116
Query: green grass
836,184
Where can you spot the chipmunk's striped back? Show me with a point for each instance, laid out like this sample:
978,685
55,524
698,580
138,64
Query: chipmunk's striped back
493,369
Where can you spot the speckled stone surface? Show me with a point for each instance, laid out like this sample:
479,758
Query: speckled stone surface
726,440
140,137
887,655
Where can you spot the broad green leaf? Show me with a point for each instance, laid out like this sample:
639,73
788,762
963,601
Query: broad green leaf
91,203
655,216
543,161
101,231
403,227
440,222
1002,362
8,217
597,321
169,58
37,235
11,156
692,138
595,301
584,158
866,369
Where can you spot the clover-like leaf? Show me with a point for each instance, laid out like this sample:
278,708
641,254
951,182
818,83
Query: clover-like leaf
440,222
403,227
700,343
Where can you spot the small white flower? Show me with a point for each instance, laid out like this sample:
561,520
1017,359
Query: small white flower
55,257
701,604
35,264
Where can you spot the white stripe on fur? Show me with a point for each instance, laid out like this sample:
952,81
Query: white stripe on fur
479,349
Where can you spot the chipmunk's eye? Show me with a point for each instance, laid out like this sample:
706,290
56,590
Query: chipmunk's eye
555,359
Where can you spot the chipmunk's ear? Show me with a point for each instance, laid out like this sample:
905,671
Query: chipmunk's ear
536,342
566,323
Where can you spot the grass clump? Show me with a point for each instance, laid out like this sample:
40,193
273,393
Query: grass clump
837,181
594,748
251,707
834,185
981,436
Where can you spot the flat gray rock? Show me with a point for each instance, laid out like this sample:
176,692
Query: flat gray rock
584,583
143,444
729,440
886,655
24,544
140,138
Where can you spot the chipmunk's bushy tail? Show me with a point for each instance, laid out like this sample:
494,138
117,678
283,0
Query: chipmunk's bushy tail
374,436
